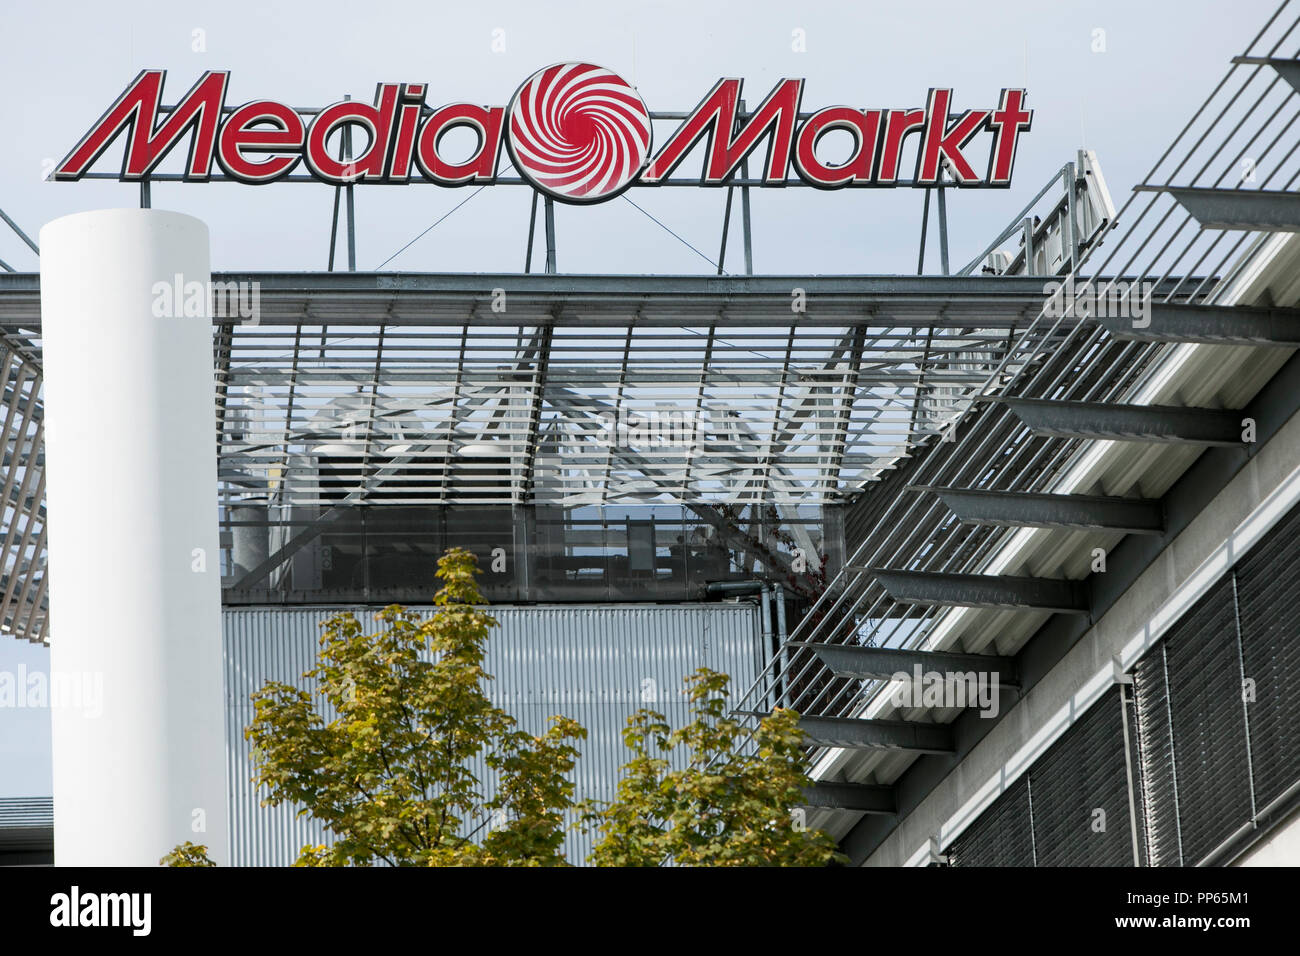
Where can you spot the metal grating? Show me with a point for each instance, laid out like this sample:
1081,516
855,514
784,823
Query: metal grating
351,392
22,553
415,398
482,416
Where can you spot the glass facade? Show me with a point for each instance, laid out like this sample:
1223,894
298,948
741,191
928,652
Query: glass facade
527,553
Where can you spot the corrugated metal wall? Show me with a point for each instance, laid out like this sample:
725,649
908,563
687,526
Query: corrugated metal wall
594,663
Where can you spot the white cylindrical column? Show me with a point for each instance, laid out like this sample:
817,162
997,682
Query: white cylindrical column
135,591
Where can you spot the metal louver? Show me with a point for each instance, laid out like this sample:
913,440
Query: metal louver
1081,812
22,490
1002,836
1053,809
1268,581
1214,738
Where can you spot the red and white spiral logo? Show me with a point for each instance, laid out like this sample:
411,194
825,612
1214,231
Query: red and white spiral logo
578,132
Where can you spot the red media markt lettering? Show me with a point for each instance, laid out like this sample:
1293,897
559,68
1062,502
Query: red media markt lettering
575,131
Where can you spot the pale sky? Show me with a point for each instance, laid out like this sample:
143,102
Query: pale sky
63,64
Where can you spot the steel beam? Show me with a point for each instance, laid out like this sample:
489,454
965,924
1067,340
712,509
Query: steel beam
882,663
1260,210
541,358
1212,324
1289,70
419,300
982,590
1009,509
1151,423
1193,492
862,797
578,406
853,733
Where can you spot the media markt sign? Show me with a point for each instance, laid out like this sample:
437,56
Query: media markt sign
575,131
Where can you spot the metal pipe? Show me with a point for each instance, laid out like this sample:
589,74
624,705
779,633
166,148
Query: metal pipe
1128,772
1071,213
745,223
1245,707
334,222
732,588
550,235
352,210
726,222
334,227
779,591
1213,857
146,201
532,229
778,595
352,232
925,221
21,235
744,212
1173,754
766,639
943,232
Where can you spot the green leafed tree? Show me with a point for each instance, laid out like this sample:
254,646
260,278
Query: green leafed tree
390,772
187,854
734,803
382,748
